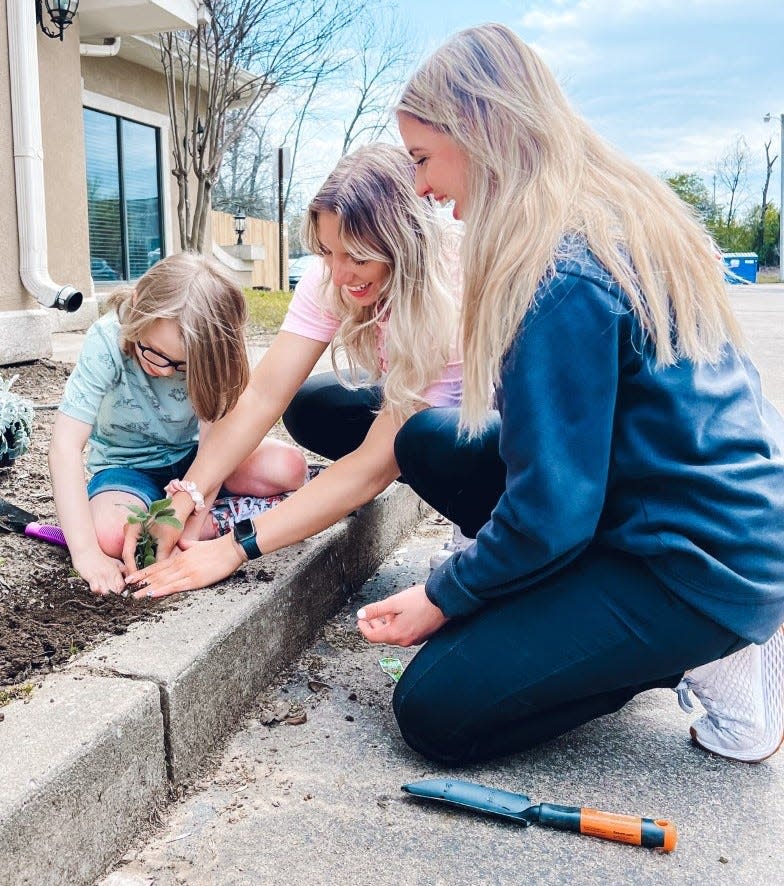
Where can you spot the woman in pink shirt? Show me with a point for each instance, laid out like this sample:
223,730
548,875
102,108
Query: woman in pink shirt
384,295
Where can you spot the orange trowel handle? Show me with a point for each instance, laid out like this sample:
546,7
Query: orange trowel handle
653,833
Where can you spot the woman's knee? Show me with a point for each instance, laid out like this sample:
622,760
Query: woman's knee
304,413
426,438
428,724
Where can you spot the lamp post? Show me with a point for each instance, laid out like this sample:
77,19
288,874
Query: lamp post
767,118
239,225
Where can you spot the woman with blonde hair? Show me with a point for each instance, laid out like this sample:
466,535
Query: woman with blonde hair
635,540
385,295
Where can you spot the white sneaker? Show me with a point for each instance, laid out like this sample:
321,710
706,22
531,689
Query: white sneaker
458,542
743,697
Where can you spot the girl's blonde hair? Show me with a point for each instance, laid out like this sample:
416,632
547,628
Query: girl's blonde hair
211,311
538,177
380,218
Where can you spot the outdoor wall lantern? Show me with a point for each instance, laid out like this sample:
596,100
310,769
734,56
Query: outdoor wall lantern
239,225
60,13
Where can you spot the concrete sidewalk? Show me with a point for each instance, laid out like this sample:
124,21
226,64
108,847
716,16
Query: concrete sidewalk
106,741
320,803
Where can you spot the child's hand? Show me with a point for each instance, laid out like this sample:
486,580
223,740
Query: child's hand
104,574
166,538
132,531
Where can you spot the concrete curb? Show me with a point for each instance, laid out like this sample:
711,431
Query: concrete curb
141,712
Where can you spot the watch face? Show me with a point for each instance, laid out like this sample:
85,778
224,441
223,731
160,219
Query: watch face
245,535
244,529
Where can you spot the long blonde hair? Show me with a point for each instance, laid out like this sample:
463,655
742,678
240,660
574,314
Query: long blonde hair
210,309
538,174
380,218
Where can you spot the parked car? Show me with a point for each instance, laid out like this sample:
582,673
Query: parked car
100,269
298,266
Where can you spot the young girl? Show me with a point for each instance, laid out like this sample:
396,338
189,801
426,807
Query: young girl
166,360
636,528
385,294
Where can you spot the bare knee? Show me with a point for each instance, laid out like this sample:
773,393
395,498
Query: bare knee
289,467
111,539
273,468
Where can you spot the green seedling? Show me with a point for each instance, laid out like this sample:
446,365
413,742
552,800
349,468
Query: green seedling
159,511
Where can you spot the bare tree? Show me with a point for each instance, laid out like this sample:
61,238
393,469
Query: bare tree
732,171
239,52
759,238
244,178
384,54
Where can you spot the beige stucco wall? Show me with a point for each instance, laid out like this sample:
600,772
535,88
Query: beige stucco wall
64,161
24,324
64,176
126,82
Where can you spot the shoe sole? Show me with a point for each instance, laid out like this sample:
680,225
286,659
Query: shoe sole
698,743
738,759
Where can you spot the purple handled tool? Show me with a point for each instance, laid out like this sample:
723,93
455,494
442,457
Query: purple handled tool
46,532
15,519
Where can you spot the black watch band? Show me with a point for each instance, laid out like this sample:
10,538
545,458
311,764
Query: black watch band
245,535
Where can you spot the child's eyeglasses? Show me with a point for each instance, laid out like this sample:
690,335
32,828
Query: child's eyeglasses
160,360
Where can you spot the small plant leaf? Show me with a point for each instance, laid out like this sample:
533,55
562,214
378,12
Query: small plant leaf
160,505
169,521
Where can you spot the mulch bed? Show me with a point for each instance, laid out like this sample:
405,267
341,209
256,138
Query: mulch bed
47,613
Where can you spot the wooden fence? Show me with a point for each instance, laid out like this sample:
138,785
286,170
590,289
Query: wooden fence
261,233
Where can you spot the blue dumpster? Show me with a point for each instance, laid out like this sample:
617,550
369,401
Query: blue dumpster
741,264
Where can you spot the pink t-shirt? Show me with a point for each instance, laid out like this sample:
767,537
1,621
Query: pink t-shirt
309,316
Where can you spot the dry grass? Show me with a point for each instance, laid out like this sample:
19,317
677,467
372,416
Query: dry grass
266,310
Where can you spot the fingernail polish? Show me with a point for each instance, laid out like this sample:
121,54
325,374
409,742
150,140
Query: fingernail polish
361,613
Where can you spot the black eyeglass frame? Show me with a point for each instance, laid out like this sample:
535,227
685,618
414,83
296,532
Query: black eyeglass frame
176,365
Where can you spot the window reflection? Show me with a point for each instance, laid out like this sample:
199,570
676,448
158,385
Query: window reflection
123,196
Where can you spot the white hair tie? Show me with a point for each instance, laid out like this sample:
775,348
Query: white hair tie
189,488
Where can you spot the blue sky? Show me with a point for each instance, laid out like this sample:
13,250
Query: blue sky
672,84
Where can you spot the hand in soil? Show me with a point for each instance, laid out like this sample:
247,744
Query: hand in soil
203,563
103,574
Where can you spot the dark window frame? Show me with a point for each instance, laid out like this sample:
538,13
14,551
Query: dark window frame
123,204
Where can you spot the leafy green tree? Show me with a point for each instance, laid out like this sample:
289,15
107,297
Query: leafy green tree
691,189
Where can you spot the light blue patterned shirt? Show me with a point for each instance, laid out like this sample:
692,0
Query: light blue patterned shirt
137,420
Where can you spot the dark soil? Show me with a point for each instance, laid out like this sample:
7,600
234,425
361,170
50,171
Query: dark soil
47,613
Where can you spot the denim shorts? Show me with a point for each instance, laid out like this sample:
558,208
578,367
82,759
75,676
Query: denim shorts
145,483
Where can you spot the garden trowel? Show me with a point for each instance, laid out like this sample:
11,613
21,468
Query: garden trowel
653,833
14,519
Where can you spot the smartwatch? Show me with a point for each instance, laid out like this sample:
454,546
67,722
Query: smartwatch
245,535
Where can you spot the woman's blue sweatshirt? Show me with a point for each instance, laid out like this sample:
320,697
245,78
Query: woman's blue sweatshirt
679,465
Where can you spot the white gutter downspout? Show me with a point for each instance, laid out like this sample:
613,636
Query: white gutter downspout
29,163
100,50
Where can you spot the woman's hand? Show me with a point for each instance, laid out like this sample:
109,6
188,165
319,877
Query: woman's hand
203,563
403,619
104,574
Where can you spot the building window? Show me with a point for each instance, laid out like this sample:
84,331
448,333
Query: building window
123,195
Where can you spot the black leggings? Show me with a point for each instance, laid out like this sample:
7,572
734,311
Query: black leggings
529,666
462,479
